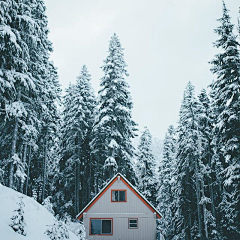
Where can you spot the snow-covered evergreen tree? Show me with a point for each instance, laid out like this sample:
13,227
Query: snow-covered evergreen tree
207,166
146,166
75,226
75,164
226,100
166,183
188,175
16,82
48,137
48,204
58,231
114,128
18,223
28,92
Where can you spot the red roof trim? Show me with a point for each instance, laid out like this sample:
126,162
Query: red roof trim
108,186
141,198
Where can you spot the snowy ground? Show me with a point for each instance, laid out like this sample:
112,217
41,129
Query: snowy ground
36,216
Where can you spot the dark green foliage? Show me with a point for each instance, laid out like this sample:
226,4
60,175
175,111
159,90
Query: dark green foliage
75,163
166,185
147,168
114,128
226,101
29,92
58,231
187,157
18,223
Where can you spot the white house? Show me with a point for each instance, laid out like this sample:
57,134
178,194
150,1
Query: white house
119,211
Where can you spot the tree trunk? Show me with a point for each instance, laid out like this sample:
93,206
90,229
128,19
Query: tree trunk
211,185
89,179
45,168
76,194
85,173
82,192
13,151
97,176
75,189
198,201
189,234
14,143
204,211
28,169
24,162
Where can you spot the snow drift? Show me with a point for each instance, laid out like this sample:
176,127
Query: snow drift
38,219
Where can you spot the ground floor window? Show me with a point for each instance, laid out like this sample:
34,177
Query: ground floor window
132,223
101,226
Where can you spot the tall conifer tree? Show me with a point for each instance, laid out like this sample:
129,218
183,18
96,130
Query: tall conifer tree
166,186
79,107
188,175
207,166
25,77
147,167
226,67
114,127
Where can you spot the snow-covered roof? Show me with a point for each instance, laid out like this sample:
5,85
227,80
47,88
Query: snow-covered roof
108,185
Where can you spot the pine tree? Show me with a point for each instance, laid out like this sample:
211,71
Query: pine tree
48,97
48,205
167,181
28,90
207,166
58,231
18,223
86,122
188,175
75,164
147,167
226,67
47,139
114,128
75,226
17,82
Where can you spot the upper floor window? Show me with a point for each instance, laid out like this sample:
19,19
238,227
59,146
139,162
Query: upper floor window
119,196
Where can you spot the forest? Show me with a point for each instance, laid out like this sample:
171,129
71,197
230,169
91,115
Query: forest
61,148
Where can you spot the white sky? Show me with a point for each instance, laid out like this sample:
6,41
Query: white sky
167,43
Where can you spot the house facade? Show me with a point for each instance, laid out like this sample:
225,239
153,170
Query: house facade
119,211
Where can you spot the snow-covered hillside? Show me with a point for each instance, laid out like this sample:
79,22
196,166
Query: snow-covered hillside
38,219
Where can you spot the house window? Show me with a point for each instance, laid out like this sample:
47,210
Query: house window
132,223
119,196
101,226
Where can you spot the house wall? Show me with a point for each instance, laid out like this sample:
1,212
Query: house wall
120,212
133,204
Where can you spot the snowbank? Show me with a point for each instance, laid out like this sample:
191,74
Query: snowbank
37,217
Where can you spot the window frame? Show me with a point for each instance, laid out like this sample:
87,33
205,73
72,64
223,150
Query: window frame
101,234
129,223
122,190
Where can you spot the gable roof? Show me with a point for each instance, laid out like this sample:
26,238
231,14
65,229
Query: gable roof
127,183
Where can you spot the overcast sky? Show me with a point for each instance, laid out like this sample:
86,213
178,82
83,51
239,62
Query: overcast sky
167,43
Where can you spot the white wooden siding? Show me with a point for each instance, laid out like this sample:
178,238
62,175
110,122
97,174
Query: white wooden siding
133,204
146,227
